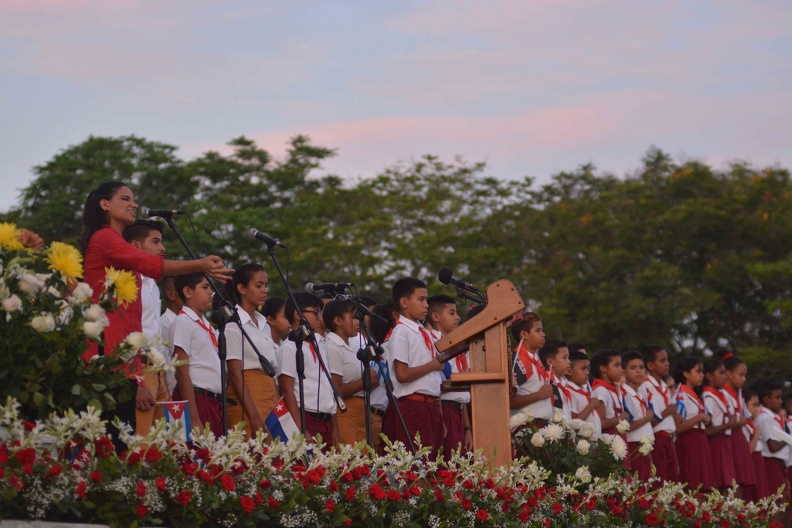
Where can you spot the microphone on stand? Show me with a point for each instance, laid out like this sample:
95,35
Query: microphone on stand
145,212
264,237
446,276
333,288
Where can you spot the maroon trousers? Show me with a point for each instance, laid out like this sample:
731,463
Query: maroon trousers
665,458
210,410
775,471
318,424
422,417
455,427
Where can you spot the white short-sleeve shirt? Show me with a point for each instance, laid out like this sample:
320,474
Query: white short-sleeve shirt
770,425
690,405
237,347
453,396
717,406
657,394
167,319
318,392
150,308
192,333
343,360
611,400
637,407
379,394
581,396
528,380
407,344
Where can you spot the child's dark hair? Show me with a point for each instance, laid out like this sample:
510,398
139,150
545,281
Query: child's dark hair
242,275
749,392
683,364
336,308
766,388
94,218
523,324
305,300
191,280
711,364
601,359
140,229
649,352
631,355
378,328
577,354
549,351
729,358
272,306
437,302
405,287
577,347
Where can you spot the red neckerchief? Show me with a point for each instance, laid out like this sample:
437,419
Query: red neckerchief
659,388
208,329
776,418
312,346
561,387
737,397
720,397
687,390
613,389
637,396
461,359
529,362
427,340
583,392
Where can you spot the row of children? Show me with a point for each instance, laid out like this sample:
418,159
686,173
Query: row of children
707,428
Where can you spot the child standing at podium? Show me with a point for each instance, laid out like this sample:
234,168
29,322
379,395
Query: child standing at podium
531,381
416,371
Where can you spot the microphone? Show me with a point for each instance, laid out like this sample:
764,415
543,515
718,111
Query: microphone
315,288
445,276
145,212
264,237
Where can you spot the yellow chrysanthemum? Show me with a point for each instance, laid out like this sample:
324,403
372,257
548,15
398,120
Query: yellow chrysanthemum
65,259
124,284
9,237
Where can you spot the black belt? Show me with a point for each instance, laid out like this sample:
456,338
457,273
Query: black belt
325,417
213,395
452,403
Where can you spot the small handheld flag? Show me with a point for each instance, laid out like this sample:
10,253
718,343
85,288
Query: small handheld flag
178,411
280,423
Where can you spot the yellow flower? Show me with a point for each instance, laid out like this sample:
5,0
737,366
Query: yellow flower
65,259
9,237
124,283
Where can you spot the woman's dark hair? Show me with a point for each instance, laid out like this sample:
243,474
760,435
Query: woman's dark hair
379,329
683,364
729,358
336,308
94,218
242,275
601,359
272,306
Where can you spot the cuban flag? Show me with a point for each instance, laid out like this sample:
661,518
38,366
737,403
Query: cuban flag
280,423
178,412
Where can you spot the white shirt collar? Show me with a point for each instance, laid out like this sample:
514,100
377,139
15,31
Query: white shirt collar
332,337
629,390
409,323
245,318
189,312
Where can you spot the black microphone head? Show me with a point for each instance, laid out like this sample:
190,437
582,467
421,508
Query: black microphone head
444,275
309,287
145,212
253,232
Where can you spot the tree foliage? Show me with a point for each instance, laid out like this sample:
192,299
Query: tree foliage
680,254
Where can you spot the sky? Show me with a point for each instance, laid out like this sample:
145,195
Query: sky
531,87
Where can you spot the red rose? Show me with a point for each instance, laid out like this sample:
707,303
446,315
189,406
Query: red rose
348,522
547,523
652,519
153,455
54,470
482,515
26,456
16,483
524,515
184,497
140,491
134,457
205,476
141,510
724,523
27,468
350,493
227,482
189,468
81,489
329,506
414,491
265,484
204,455
273,503
258,499
468,485
557,508
29,426
104,447
644,503
438,493
96,476
247,503
333,485
393,495
160,482
3,454
376,492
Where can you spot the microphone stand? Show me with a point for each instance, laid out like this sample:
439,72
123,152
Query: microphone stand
308,334
227,314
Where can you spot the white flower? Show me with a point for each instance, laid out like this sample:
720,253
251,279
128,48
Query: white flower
12,304
157,359
30,284
537,440
81,293
583,447
575,424
647,445
93,329
586,430
623,426
519,418
43,323
137,340
95,313
553,432
583,474
618,448
558,415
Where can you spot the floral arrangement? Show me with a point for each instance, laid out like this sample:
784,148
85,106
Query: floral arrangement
46,320
66,468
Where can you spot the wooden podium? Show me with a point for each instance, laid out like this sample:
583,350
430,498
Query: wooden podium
488,357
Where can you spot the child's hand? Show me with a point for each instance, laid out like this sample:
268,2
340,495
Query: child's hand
669,411
546,391
707,419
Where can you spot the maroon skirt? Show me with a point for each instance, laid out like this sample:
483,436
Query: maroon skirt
743,464
694,469
422,417
759,489
664,457
320,424
455,427
638,463
720,449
